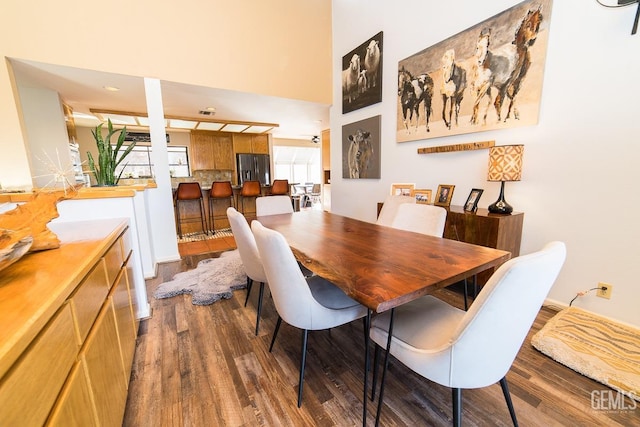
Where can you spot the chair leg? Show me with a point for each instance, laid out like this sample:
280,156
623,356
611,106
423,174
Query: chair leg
466,291
259,306
303,359
178,219
249,286
456,394
507,397
212,217
275,333
203,218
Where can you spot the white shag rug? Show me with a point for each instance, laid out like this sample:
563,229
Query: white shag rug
211,280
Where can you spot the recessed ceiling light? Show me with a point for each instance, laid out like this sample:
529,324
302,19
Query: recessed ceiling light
111,88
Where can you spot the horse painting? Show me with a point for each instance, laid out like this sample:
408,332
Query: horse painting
454,83
503,69
412,91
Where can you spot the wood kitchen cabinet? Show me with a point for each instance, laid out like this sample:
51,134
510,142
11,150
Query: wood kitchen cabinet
68,336
211,150
250,143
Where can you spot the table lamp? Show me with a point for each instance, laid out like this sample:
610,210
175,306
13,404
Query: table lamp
505,164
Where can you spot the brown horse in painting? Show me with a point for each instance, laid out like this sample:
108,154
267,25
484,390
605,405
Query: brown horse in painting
506,70
412,91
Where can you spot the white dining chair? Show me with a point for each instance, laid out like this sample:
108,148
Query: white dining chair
476,348
390,207
273,205
310,303
249,255
420,218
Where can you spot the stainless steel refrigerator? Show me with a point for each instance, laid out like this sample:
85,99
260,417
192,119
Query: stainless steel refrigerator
253,167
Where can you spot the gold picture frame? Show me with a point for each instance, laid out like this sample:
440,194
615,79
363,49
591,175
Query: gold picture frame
422,196
402,189
444,195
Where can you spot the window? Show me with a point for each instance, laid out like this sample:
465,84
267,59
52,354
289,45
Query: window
138,163
297,164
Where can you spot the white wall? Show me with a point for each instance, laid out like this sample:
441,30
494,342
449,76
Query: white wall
579,165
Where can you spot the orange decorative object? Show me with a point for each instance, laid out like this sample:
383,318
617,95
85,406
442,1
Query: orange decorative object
34,216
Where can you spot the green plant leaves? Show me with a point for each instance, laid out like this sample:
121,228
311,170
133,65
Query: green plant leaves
105,170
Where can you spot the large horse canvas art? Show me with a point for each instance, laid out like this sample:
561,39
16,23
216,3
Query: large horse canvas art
361,149
483,78
362,75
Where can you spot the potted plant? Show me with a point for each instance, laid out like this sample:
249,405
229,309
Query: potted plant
104,170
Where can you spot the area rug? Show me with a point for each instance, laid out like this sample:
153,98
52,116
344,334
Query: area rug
200,236
212,280
594,346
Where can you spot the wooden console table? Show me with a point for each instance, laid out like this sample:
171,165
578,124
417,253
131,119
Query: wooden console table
485,229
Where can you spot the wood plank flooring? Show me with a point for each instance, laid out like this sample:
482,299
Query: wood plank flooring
203,366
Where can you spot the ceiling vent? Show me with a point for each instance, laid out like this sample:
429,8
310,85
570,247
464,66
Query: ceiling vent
206,112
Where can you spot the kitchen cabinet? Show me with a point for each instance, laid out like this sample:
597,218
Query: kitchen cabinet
68,336
250,144
211,150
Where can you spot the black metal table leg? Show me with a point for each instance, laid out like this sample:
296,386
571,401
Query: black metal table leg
367,326
386,364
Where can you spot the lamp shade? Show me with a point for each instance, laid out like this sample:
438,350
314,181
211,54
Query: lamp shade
505,163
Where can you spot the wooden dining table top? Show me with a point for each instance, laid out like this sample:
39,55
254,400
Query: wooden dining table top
380,267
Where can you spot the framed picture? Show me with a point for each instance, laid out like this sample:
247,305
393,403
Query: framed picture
471,205
361,149
486,77
422,196
443,196
402,189
362,75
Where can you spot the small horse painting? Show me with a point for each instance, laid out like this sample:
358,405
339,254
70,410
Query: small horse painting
412,92
454,82
504,69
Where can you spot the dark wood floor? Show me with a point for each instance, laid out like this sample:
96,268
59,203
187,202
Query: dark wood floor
203,366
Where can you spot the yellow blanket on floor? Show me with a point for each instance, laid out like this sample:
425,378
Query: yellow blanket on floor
594,346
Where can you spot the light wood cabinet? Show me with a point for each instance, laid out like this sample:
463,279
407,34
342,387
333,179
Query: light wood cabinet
260,144
75,405
40,373
250,143
69,330
211,150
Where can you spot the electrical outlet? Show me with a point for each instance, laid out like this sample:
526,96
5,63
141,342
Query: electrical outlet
604,290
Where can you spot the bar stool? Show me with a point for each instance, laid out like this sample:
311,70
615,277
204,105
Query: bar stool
280,187
220,190
189,192
249,189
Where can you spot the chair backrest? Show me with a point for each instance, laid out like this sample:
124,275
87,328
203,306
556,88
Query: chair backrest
188,191
390,208
246,245
250,189
280,187
273,205
291,293
488,338
315,189
221,189
425,219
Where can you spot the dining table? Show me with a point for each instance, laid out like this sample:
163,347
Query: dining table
378,266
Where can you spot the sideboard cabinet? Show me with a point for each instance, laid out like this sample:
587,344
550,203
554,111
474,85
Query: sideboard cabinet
68,329
485,229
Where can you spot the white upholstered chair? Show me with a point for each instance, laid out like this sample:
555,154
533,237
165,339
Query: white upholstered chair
390,207
425,219
310,303
249,255
475,348
273,205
